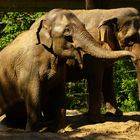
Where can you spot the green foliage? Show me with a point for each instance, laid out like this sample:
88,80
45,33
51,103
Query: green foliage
15,23
126,85
77,95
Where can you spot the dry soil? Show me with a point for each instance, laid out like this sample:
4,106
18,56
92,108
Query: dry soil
121,128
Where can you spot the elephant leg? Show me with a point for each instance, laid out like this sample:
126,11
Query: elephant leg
94,100
108,93
16,115
54,108
93,70
33,105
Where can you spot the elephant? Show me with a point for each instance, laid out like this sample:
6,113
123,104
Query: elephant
115,32
114,29
35,70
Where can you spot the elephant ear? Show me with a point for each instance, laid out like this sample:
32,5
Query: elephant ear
107,33
43,34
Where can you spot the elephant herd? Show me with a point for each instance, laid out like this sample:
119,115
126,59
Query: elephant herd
62,46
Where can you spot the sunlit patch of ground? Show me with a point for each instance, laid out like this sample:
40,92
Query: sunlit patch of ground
121,128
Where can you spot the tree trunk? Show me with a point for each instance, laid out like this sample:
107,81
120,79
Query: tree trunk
89,4
97,4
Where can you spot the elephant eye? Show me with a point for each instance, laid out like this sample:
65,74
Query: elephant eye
67,31
68,34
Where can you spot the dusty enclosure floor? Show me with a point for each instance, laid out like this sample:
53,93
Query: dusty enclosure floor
121,128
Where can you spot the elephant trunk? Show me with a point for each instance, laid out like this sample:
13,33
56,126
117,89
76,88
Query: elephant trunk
89,45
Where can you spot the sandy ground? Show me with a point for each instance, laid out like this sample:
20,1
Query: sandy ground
121,128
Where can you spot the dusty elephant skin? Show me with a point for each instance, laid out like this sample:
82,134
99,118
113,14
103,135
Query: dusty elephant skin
34,70
114,32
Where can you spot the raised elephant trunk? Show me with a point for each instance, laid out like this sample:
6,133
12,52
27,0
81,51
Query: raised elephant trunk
89,45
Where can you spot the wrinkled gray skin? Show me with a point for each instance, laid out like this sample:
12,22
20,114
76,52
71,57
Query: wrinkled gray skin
33,67
115,29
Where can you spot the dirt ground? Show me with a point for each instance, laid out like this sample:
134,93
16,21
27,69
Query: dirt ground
121,128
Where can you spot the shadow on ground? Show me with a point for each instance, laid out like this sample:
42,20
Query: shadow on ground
126,127
81,120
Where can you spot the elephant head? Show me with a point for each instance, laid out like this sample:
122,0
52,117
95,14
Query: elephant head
123,32
61,32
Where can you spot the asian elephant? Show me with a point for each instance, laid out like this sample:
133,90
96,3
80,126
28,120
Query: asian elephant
114,29
33,67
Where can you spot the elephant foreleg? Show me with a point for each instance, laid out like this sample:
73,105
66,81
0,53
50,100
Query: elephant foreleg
54,108
93,70
108,93
16,115
94,100
33,106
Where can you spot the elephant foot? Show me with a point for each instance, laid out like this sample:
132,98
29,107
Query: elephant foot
113,112
14,122
96,119
118,113
46,126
